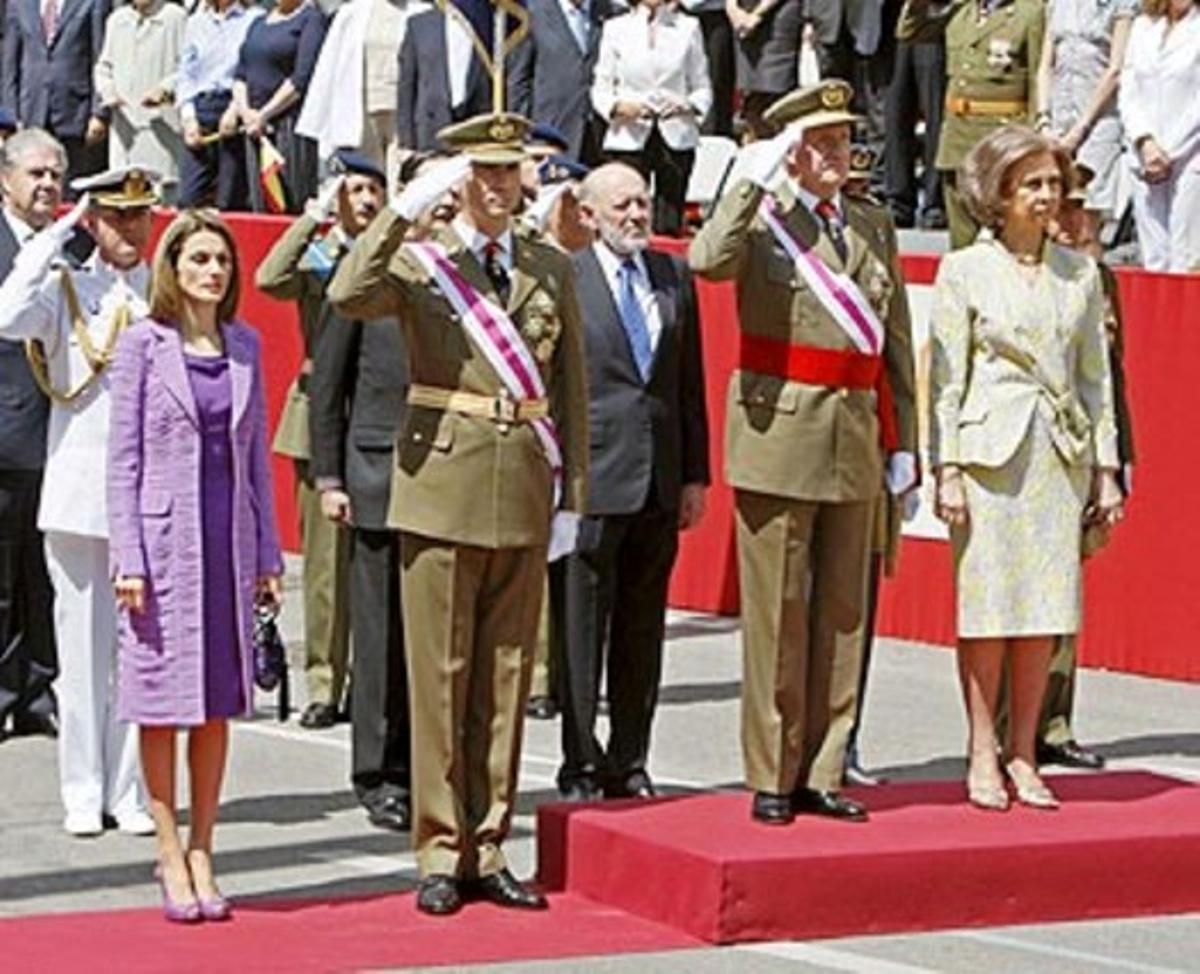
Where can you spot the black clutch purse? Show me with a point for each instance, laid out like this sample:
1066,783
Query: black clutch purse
270,661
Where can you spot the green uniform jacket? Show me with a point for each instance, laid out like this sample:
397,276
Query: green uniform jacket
991,60
786,438
459,478
287,273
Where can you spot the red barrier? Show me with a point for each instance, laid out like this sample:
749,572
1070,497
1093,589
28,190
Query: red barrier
1141,605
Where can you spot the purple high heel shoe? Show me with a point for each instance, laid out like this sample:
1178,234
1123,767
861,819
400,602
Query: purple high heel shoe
176,912
214,908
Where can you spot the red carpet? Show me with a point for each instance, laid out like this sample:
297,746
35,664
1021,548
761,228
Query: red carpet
1124,844
332,935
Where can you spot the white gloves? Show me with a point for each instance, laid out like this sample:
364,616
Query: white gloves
424,191
564,534
47,245
901,472
539,212
324,205
761,162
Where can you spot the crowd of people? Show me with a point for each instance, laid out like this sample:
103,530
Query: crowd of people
214,94
499,426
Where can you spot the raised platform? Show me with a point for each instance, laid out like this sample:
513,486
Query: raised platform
1123,844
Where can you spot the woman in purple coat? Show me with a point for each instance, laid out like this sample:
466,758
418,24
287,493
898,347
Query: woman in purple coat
193,535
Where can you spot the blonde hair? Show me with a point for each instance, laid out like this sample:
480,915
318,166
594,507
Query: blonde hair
983,177
165,298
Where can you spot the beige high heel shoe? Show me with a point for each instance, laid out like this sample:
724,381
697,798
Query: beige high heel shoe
1036,794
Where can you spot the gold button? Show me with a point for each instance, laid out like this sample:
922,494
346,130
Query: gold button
844,393
418,437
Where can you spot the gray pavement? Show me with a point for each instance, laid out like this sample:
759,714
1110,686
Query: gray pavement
290,827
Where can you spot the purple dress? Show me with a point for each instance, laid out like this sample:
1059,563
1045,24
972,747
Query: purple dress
223,691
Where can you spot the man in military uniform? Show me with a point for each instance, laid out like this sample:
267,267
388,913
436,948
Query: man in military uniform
993,49
299,268
73,315
825,376
494,448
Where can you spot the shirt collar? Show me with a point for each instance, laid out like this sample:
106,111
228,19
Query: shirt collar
477,241
610,261
21,230
810,200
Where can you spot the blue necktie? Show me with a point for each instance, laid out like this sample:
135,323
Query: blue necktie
633,319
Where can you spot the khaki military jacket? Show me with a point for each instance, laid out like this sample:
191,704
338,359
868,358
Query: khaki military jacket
287,274
1004,348
464,478
994,59
787,438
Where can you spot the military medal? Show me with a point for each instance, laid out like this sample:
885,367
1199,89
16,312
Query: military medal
1000,53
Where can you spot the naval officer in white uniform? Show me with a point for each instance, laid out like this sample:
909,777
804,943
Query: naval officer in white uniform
72,314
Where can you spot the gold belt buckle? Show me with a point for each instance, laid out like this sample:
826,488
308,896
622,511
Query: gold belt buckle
504,409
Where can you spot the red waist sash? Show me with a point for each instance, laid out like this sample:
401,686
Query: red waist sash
833,367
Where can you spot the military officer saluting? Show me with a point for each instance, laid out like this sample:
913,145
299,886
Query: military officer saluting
494,447
993,49
823,393
72,315
299,268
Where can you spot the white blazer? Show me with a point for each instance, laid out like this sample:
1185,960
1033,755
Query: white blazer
672,68
32,305
1160,84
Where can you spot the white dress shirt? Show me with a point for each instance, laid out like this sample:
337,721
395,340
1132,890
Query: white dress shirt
20,229
659,63
459,49
610,264
478,241
579,20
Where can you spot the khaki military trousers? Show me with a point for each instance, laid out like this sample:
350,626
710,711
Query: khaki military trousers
470,625
803,569
963,226
326,578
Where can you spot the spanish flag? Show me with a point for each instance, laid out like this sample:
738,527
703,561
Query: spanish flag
270,175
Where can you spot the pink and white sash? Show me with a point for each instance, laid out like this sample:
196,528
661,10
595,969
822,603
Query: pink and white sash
492,331
837,292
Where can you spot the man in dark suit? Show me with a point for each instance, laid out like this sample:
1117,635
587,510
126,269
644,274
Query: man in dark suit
50,49
441,79
32,179
648,473
550,72
356,403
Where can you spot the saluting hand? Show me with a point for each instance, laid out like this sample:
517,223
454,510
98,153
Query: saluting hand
951,504
429,187
131,592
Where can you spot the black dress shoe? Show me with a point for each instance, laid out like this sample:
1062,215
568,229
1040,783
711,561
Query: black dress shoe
541,708
637,784
772,809
438,894
579,790
831,804
504,889
934,219
1069,755
318,716
31,725
389,812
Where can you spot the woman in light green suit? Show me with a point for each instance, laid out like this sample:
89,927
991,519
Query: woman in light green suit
1023,442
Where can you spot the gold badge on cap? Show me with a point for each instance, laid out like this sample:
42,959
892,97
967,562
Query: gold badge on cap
502,130
135,183
834,98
